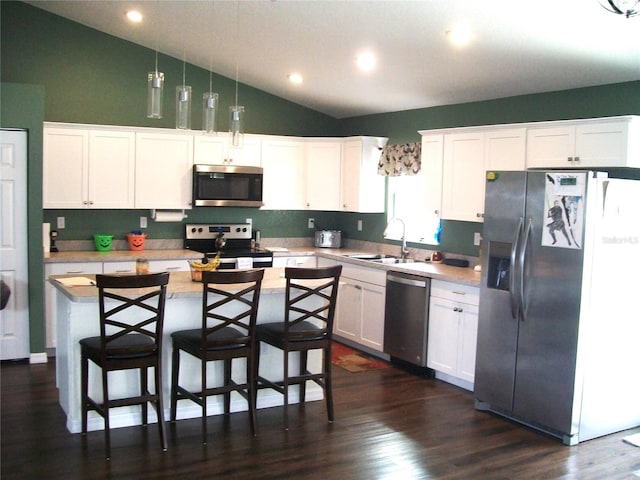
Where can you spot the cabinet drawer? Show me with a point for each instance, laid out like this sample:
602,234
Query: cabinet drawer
119,267
456,292
369,275
168,265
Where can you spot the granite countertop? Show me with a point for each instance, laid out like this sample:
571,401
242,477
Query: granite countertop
120,255
180,286
436,271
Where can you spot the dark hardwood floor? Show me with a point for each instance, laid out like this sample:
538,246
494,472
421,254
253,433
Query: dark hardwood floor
389,424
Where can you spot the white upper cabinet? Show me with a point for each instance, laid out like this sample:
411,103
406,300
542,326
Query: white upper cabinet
362,188
283,183
164,170
432,157
216,150
323,173
505,149
88,168
463,177
594,143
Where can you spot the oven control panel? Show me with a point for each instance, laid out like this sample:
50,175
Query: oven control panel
230,231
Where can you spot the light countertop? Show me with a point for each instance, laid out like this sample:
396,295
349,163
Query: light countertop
120,255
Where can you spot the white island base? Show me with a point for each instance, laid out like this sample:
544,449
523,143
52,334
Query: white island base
78,317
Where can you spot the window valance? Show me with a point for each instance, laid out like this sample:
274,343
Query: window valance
400,159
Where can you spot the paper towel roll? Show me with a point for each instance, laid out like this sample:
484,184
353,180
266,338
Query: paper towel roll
168,215
46,240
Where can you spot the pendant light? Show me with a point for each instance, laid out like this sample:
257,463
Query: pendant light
183,92
155,83
236,112
210,98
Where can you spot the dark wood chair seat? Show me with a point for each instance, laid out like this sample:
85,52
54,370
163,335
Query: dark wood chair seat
229,310
310,303
131,322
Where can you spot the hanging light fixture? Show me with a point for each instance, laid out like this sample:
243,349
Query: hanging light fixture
628,8
236,112
210,98
155,82
183,92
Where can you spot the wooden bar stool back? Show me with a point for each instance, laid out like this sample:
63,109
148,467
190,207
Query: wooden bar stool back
229,310
310,304
131,323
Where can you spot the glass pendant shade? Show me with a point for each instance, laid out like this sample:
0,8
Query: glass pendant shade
236,125
155,89
183,107
209,111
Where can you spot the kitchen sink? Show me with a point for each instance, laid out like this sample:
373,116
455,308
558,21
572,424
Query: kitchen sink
379,258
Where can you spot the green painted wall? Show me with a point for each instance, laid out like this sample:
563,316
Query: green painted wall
22,106
80,75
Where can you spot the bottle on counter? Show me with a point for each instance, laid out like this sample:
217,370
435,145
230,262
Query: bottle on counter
142,266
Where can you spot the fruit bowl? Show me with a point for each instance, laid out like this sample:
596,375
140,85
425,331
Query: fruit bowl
197,267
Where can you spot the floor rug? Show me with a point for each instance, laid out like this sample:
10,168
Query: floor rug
353,360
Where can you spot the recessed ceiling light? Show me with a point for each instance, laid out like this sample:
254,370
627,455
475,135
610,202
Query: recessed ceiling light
295,78
366,61
459,36
134,16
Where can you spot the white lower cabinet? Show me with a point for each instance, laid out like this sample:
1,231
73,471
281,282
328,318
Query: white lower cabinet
360,308
453,329
84,268
300,261
75,268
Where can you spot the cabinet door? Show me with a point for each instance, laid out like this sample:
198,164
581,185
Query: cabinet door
372,316
163,170
249,155
550,147
442,349
467,337
50,292
463,177
283,163
323,175
111,169
65,167
348,310
506,149
209,149
601,145
362,188
432,158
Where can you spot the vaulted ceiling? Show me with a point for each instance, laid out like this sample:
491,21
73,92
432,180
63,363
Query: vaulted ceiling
516,47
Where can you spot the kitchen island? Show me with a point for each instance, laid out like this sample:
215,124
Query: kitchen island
78,317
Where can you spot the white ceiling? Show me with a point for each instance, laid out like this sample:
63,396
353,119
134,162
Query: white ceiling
520,47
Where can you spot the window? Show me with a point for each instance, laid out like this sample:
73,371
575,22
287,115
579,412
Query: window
406,201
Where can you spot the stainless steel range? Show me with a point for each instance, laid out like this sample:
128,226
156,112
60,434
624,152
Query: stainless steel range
232,240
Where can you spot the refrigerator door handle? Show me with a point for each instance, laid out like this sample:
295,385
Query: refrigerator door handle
522,262
512,277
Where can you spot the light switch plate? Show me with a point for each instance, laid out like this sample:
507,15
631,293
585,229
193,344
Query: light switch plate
311,223
359,225
143,222
60,223
477,238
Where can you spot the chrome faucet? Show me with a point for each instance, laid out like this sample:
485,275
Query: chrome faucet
404,251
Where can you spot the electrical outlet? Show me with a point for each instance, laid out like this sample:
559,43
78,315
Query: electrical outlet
477,238
143,222
311,223
60,223
359,225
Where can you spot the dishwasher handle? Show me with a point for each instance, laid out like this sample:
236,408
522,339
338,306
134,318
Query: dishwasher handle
414,282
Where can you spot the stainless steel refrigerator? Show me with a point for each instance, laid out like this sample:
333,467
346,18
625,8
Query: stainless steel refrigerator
559,321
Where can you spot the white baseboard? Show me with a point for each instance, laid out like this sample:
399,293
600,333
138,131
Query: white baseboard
40,357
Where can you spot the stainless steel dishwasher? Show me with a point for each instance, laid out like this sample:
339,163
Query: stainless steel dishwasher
406,319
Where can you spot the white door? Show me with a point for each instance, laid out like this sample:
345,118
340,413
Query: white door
14,319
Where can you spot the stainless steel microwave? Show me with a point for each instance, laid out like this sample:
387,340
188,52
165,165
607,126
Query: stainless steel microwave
227,186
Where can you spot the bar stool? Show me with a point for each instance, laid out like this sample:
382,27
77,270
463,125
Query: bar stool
229,310
310,303
131,323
